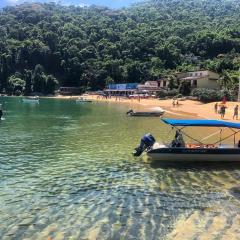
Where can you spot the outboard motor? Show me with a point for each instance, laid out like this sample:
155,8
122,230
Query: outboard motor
147,141
129,112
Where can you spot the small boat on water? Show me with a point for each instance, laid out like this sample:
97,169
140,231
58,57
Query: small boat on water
83,100
177,150
155,113
33,99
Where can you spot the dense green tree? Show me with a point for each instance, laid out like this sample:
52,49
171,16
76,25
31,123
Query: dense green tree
51,84
16,85
185,88
92,46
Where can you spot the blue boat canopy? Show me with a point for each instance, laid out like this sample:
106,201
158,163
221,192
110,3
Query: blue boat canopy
201,123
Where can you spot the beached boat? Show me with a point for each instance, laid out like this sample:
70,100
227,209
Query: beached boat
178,150
34,99
83,100
156,113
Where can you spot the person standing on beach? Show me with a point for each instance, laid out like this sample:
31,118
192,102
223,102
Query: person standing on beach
173,103
223,111
235,112
216,107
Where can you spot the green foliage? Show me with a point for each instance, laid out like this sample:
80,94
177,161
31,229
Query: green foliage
167,93
43,83
185,88
93,46
16,85
162,94
51,84
172,82
208,95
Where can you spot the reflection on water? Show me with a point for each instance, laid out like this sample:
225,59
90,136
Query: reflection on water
67,173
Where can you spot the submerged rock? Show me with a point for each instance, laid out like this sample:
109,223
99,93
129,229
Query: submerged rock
26,222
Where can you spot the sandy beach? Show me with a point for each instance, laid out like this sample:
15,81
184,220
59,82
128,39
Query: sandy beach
185,109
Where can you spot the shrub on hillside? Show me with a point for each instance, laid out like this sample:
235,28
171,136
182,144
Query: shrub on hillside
172,92
162,93
167,93
209,95
185,88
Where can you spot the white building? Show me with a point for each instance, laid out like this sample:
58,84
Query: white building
200,79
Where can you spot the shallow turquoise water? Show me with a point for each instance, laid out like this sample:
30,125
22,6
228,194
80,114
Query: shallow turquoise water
67,173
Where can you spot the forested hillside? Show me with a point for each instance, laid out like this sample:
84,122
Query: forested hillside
42,45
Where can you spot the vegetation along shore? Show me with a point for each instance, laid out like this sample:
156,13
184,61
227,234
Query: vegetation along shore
43,46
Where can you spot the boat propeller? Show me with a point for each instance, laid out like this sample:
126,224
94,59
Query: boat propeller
147,142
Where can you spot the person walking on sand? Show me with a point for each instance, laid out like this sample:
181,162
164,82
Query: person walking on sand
235,112
222,111
173,102
216,107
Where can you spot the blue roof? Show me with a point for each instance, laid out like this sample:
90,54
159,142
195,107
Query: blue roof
201,123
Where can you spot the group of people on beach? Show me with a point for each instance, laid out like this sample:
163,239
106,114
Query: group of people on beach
221,109
175,103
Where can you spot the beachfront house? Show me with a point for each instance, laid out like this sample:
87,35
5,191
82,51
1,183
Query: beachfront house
200,79
163,83
151,87
123,89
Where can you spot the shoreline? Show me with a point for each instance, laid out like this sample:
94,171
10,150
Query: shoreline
185,109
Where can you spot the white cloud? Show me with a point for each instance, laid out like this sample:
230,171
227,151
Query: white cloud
69,3
12,1
83,5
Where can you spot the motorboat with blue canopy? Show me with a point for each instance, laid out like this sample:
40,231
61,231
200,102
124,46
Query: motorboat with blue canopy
179,150
201,123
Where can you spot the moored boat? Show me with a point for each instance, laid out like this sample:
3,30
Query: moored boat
156,113
178,150
83,100
33,99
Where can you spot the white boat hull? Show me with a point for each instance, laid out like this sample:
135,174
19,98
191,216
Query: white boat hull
30,100
183,154
79,101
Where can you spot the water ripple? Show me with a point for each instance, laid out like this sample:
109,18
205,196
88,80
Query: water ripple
67,173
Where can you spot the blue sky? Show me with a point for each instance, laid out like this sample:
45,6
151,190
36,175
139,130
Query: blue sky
109,3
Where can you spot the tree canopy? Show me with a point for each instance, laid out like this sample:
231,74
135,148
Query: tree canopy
45,45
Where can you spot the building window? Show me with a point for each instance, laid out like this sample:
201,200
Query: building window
200,73
194,83
164,83
196,74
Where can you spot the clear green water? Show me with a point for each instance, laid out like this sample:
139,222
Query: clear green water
67,173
